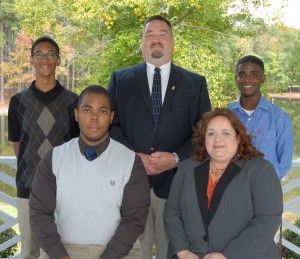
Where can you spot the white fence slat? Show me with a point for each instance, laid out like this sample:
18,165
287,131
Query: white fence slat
10,221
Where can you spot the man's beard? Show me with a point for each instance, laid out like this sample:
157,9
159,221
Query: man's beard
156,54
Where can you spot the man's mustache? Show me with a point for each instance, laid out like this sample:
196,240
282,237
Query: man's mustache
156,44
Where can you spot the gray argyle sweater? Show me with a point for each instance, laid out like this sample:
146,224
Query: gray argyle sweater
39,121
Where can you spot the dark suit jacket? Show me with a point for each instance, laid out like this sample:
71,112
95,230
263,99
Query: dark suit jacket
185,101
244,214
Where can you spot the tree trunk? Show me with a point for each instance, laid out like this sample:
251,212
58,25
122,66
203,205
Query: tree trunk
2,99
73,76
68,75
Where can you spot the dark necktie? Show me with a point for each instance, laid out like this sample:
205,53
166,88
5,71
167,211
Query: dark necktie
156,99
90,153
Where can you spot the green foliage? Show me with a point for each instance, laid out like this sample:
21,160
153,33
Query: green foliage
98,37
7,15
273,45
4,236
294,239
17,68
106,36
293,110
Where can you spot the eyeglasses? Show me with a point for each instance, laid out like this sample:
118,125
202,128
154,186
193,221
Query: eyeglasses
48,55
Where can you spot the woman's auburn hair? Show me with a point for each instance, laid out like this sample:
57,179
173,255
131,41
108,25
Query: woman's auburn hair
245,148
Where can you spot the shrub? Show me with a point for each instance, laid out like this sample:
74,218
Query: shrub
4,236
294,239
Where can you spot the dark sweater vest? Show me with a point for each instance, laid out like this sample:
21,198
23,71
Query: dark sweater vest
43,125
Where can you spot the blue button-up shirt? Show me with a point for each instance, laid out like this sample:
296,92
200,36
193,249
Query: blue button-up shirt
271,130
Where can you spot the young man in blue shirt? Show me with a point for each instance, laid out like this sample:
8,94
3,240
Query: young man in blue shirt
269,126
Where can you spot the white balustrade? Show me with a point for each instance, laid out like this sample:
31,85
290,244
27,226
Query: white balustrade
10,221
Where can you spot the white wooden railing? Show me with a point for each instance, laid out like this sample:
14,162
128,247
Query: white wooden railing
10,220
292,206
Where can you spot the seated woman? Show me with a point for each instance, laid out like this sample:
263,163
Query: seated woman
226,202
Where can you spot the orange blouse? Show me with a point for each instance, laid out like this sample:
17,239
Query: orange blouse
210,189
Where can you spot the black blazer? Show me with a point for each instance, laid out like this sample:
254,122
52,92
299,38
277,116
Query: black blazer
185,102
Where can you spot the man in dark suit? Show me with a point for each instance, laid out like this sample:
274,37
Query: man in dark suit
154,115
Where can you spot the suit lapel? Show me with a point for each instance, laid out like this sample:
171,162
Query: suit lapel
201,173
201,180
140,74
173,84
224,181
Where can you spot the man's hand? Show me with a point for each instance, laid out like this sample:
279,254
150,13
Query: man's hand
150,170
186,254
162,161
214,256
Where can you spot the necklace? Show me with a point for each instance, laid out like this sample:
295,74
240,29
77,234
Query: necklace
216,171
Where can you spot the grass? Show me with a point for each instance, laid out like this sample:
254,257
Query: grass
13,212
292,175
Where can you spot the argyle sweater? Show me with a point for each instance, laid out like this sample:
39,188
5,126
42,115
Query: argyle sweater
39,121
